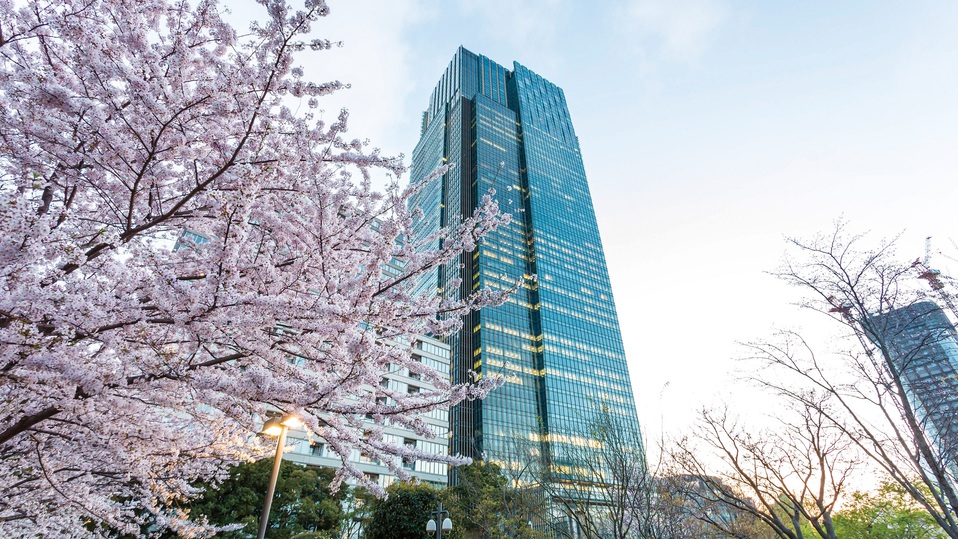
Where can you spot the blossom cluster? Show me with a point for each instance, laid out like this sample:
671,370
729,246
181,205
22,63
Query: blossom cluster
130,371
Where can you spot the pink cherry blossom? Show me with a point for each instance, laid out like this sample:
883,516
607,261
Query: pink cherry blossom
130,371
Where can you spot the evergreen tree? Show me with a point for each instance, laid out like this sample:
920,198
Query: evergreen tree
403,514
488,507
302,503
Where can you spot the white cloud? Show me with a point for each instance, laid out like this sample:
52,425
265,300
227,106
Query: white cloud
374,60
677,30
530,29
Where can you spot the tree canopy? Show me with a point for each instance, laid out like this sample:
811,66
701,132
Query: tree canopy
130,371
870,387
403,514
487,506
882,394
302,502
887,513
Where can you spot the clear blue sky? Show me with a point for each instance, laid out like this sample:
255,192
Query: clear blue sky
710,130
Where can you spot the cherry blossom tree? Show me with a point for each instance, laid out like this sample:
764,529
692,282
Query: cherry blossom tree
129,371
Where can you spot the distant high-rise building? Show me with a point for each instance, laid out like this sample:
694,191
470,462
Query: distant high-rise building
557,342
923,346
313,451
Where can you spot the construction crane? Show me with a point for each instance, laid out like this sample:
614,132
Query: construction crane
933,276
844,308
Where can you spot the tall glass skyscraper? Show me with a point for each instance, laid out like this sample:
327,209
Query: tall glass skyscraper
923,346
557,342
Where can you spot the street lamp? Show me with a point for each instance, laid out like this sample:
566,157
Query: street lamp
275,427
446,523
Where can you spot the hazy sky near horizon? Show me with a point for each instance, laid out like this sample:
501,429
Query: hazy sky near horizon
710,131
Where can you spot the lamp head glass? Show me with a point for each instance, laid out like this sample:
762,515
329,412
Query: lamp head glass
292,421
273,427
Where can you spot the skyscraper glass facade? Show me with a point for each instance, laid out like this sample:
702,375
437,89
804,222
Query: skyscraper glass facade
923,346
557,342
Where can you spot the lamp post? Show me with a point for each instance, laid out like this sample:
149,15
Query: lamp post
446,525
275,427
